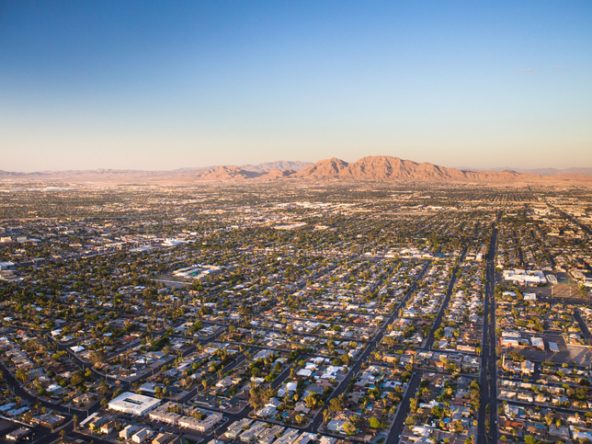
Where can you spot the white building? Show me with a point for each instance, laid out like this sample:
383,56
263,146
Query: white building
525,276
128,432
142,435
6,265
133,404
204,425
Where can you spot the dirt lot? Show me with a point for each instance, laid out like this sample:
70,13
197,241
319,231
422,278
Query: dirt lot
581,355
566,290
561,290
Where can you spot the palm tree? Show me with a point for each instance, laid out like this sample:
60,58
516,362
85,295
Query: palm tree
20,374
311,401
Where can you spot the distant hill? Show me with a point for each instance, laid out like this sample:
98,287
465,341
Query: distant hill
225,173
279,165
546,171
140,176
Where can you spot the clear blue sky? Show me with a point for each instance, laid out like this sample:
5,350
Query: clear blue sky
164,85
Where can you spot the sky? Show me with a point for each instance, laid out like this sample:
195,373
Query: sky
158,85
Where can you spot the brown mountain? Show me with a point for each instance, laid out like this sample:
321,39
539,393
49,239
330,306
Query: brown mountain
277,174
386,168
372,168
324,169
225,173
230,173
279,165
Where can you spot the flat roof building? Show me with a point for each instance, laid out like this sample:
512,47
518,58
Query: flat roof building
133,404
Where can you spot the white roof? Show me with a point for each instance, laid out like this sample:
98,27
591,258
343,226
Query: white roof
133,403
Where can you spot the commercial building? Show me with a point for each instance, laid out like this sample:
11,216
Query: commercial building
133,404
18,434
533,277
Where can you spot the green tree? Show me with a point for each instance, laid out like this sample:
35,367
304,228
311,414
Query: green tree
349,428
374,423
335,405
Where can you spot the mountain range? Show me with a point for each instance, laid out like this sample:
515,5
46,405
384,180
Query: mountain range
547,171
385,169
100,175
371,168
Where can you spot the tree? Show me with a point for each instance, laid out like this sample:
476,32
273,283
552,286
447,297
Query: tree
98,356
349,428
335,405
311,401
77,378
439,333
20,374
256,398
437,411
374,423
28,416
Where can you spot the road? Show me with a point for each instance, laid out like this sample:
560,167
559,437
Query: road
583,326
399,423
18,390
488,373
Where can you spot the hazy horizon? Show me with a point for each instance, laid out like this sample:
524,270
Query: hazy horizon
202,167
159,86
